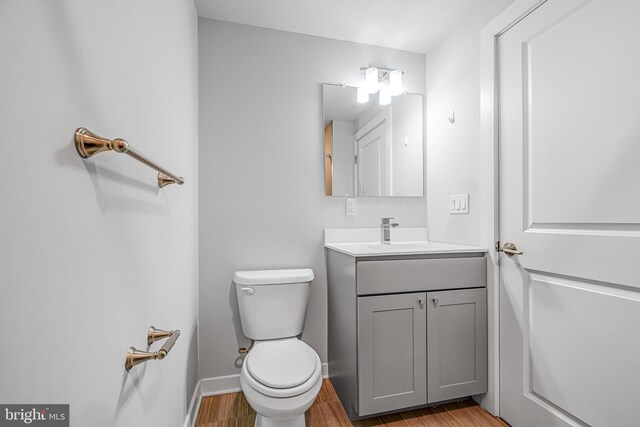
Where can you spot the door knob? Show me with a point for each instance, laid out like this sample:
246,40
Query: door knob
508,248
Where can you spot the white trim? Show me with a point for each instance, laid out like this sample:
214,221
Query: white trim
383,117
194,406
219,385
489,132
511,16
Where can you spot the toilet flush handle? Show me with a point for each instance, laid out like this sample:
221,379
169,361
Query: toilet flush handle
250,291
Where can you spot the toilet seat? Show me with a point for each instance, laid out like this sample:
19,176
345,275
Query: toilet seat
281,363
282,368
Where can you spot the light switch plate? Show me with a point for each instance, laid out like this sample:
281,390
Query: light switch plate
351,206
459,204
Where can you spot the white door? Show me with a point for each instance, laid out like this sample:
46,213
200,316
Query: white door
371,163
373,166
570,200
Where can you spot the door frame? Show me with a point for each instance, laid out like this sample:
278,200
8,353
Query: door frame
489,133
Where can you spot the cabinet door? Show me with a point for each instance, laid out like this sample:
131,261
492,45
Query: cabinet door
456,343
392,359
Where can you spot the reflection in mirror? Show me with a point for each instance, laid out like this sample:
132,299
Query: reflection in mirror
370,149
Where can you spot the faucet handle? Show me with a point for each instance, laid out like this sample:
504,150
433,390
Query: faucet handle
386,220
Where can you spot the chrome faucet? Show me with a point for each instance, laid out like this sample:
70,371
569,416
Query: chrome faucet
385,230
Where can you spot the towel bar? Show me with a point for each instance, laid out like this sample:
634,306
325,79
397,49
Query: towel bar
135,356
89,144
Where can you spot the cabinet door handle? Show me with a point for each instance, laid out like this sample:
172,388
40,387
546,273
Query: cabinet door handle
420,302
436,301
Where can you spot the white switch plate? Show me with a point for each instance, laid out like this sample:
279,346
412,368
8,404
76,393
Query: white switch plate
459,204
351,206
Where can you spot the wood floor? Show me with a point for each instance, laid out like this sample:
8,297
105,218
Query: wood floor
232,410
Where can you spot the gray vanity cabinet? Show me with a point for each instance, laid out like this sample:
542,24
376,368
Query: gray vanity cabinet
456,343
392,359
406,331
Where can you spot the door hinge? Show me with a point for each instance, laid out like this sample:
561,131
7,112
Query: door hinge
355,159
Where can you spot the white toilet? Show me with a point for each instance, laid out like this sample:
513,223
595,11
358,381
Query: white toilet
281,375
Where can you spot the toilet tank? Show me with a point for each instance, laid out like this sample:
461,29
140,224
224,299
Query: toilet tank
273,303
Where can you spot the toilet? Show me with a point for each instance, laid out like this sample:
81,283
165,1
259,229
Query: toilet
281,375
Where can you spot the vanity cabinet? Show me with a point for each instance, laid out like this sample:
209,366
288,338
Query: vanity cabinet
456,343
406,331
392,358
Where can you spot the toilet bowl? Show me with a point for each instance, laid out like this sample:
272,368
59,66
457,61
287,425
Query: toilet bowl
281,375
280,380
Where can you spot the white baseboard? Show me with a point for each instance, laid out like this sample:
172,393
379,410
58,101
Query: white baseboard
194,407
219,385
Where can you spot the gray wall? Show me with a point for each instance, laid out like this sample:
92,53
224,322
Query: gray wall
457,162
342,156
455,157
91,252
262,202
408,119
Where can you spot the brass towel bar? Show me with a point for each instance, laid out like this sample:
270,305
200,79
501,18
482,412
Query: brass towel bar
89,144
135,357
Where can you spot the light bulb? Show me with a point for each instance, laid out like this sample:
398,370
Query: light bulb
363,95
395,82
385,96
371,79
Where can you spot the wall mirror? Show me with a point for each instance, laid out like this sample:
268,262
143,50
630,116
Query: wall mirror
372,150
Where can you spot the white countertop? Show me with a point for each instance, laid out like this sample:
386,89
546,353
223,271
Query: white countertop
402,248
365,242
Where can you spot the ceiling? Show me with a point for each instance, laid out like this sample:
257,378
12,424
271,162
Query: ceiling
411,25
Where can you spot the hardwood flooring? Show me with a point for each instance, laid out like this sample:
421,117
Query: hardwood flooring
232,410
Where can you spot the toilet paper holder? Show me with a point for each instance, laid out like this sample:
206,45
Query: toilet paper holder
135,356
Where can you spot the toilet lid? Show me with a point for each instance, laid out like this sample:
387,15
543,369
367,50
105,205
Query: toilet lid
281,363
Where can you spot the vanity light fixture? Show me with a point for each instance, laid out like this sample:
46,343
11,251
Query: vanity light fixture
363,95
371,79
395,82
386,81
385,96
